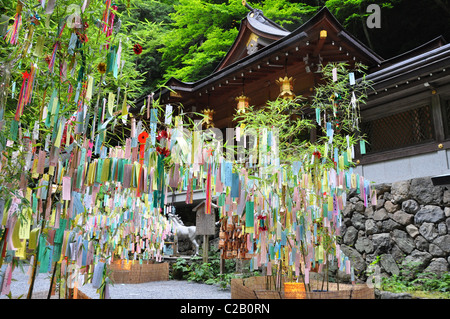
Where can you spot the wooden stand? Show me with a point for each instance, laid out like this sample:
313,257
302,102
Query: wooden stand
205,225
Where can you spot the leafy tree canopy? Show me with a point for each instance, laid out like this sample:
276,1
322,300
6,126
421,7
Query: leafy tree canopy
186,39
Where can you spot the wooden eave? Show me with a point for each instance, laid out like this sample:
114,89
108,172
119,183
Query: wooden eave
421,49
423,72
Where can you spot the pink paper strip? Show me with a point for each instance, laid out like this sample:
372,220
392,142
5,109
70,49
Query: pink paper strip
67,184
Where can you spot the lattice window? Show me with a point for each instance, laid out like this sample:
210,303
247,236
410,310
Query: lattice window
399,130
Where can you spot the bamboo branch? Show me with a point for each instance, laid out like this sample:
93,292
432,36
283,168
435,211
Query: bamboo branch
33,277
52,281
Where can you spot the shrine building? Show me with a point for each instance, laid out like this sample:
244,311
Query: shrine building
407,115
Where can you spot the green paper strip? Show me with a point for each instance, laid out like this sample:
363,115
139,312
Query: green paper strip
358,190
249,214
14,130
345,159
59,235
112,174
221,201
99,170
120,168
57,251
362,146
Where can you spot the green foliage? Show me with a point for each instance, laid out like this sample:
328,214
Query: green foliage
201,272
197,271
288,14
413,281
207,273
334,100
432,282
148,22
179,269
186,39
353,15
202,32
395,283
351,10
292,125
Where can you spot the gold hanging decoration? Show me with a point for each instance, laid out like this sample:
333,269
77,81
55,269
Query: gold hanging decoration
208,117
286,88
243,102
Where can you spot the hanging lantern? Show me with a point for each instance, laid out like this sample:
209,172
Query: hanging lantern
242,103
208,117
101,67
286,88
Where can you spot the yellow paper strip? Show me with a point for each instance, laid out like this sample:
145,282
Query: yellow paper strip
89,88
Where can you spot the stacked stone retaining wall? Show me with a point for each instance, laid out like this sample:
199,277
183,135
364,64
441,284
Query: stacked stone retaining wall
408,229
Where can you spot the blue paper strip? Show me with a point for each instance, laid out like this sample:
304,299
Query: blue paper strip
235,185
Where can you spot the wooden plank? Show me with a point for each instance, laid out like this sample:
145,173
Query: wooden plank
436,111
402,152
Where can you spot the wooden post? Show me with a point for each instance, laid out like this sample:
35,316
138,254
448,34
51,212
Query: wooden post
205,248
175,247
222,262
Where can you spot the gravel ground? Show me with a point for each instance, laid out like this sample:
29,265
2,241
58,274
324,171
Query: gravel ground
172,289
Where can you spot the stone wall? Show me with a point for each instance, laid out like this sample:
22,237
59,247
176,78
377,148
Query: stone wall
409,228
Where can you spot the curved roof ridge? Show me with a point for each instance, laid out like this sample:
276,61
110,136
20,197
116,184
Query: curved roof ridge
259,21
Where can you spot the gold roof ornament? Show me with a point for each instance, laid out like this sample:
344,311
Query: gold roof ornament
286,88
208,117
243,102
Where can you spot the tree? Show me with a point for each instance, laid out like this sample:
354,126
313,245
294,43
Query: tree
60,63
354,14
148,22
202,32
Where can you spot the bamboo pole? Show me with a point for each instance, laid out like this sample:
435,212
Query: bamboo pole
33,275
43,222
52,281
